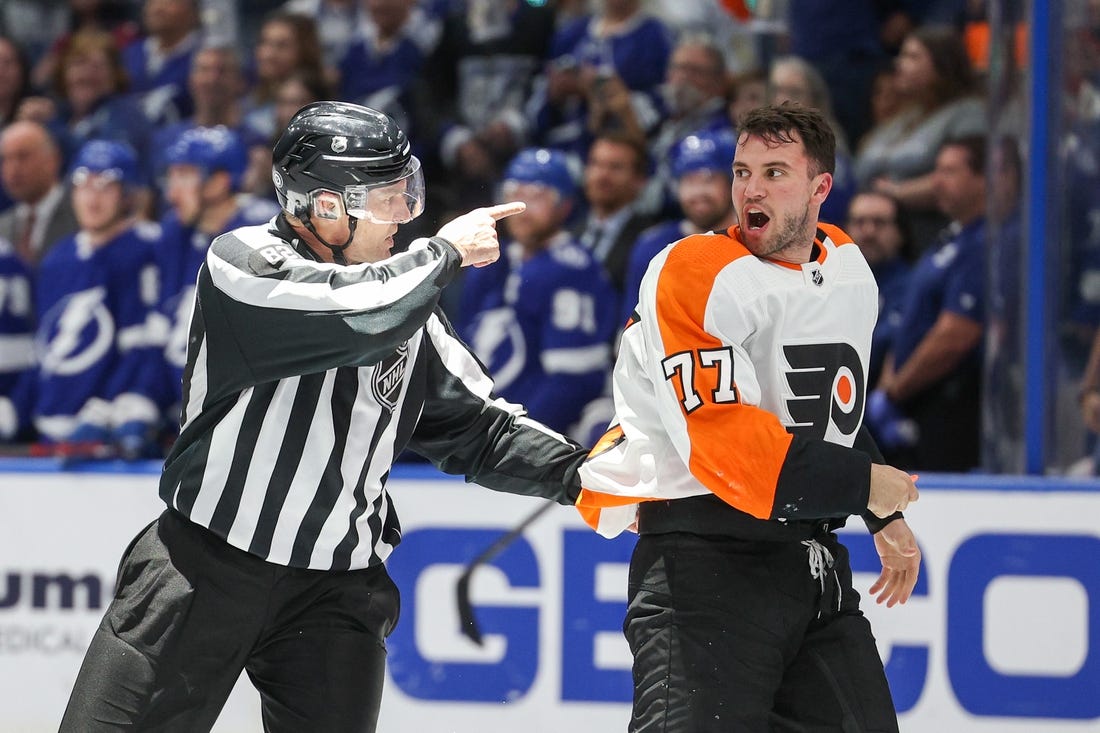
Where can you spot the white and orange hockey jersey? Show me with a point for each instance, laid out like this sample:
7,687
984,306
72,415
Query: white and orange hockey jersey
742,377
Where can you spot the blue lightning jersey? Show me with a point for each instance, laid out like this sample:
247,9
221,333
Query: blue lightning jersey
368,68
648,245
638,54
98,369
181,253
545,335
160,84
16,342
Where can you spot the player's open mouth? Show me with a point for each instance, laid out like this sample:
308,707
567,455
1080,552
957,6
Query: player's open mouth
756,219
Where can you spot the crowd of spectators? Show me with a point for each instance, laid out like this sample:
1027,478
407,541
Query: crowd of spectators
132,133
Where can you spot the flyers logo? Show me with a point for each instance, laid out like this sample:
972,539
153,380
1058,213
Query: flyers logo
828,384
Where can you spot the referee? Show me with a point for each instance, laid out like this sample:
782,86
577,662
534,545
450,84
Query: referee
314,358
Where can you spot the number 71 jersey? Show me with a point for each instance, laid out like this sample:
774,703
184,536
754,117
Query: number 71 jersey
728,361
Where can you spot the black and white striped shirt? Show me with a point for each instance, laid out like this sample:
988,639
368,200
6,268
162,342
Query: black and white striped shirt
304,382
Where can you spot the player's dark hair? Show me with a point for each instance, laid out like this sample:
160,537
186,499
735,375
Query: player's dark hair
776,123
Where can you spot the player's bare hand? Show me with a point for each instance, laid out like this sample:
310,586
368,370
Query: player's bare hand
474,234
891,490
900,555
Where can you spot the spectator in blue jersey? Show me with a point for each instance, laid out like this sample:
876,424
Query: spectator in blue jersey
216,84
205,170
16,345
98,369
542,317
383,59
879,225
158,62
702,171
603,72
928,397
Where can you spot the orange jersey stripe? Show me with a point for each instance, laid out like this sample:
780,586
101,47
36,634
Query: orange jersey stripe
836,234
737,451
589,503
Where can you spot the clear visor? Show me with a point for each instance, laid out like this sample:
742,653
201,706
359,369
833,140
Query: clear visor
395,202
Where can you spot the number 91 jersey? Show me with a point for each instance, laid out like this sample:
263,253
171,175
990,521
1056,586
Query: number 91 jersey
545,333
729,360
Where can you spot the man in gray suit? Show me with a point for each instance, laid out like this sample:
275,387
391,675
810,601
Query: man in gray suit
30,167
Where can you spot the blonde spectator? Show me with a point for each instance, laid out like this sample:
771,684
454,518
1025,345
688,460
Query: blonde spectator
89,99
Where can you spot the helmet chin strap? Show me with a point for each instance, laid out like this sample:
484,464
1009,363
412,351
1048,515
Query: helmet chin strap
336,249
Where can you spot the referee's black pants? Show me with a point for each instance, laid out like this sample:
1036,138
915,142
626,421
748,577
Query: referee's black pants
190,612
734,636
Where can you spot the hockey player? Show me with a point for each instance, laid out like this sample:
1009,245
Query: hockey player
739,393
95,290
544,315
205,170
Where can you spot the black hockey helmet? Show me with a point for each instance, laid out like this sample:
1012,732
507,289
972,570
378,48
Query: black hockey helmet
350,150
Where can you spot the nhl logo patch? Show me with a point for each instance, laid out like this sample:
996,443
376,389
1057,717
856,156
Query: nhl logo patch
389,376
817,277
339,144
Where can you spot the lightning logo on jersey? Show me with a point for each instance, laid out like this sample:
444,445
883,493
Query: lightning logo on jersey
76,333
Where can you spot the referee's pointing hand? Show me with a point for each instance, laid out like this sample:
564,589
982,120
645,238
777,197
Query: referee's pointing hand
474,234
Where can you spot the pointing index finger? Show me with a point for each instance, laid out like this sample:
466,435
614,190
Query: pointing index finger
500,211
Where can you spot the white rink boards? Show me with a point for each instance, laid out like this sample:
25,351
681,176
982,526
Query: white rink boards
1003,634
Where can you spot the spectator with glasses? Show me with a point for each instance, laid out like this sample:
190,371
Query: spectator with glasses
880,226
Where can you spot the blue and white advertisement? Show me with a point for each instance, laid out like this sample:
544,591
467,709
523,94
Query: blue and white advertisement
1002,634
